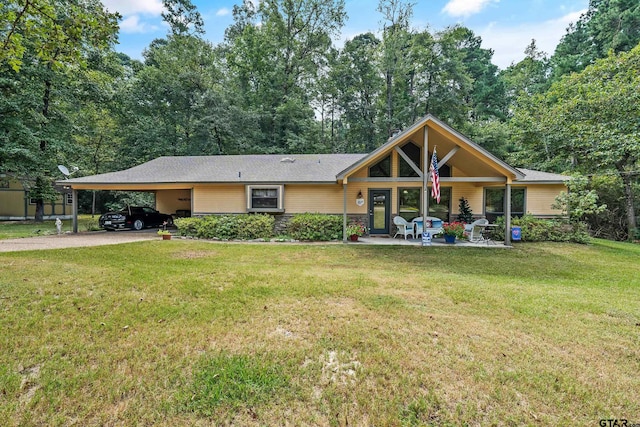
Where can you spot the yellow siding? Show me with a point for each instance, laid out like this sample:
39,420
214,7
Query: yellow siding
472,193
11,203
50,210
219,199
170,201
541,197
314,198
395,163
363,172
329,198
13,184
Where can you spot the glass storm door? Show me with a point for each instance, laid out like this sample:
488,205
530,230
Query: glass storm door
379,204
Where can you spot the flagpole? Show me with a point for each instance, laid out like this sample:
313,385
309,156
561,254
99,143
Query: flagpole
425,175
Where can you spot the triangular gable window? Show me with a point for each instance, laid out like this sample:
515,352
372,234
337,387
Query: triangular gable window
413,152
382,169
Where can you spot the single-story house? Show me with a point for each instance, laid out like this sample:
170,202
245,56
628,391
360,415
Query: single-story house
16,204
371,187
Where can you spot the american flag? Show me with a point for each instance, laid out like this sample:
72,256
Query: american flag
435,177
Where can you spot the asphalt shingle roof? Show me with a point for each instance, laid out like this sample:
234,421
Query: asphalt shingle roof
258,168
253,168
539,176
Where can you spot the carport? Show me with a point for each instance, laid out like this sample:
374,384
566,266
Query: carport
171,198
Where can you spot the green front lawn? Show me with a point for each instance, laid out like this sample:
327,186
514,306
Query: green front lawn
19,229
195,333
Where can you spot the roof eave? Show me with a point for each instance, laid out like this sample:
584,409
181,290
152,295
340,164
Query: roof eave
561,182
383,147
68,183
422,122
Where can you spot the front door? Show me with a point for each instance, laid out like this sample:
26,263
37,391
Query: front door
379,205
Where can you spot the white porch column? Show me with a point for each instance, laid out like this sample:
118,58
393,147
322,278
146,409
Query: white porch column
74,208
344,212
425,173
507,214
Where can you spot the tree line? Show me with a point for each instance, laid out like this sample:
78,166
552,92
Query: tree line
279,84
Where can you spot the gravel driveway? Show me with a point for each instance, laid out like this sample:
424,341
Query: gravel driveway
70,240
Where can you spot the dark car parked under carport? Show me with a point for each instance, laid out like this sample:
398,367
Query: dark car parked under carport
135,218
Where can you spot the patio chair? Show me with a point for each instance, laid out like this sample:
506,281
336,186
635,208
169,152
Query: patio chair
403,227
430,224
475,229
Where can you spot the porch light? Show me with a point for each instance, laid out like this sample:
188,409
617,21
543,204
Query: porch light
359,198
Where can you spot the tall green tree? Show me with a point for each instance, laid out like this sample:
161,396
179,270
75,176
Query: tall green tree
55,38
439,79
183,17
588,121
170,107
486,98
360,88
528,77
608,25
275,53
396,42
55,31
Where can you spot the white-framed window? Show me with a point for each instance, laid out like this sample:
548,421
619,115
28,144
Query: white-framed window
265,198
69,199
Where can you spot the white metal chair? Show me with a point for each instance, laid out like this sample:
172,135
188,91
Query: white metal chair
403,227
475,229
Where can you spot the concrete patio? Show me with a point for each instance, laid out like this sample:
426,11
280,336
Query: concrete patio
438,241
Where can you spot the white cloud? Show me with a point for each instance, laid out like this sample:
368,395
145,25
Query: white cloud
509,42
223,12
132,7
132,24
466,7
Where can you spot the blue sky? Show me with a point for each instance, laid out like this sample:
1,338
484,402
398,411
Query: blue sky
506,26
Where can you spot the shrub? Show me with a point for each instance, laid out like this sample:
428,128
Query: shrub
92,225
186,226
314,226
206,228
466,214
549,230
227,227
258,226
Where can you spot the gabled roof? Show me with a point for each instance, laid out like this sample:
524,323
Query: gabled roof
432,122
538,177
258,168
310,168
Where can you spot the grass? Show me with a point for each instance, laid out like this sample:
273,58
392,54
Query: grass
19,229
196,333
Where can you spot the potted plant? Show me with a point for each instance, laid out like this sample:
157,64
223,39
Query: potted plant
355,230
453,230
164,234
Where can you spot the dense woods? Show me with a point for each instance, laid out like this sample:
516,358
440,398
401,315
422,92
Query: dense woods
279,83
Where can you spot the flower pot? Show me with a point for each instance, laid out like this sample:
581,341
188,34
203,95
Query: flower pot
353,237
166,237
449,239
